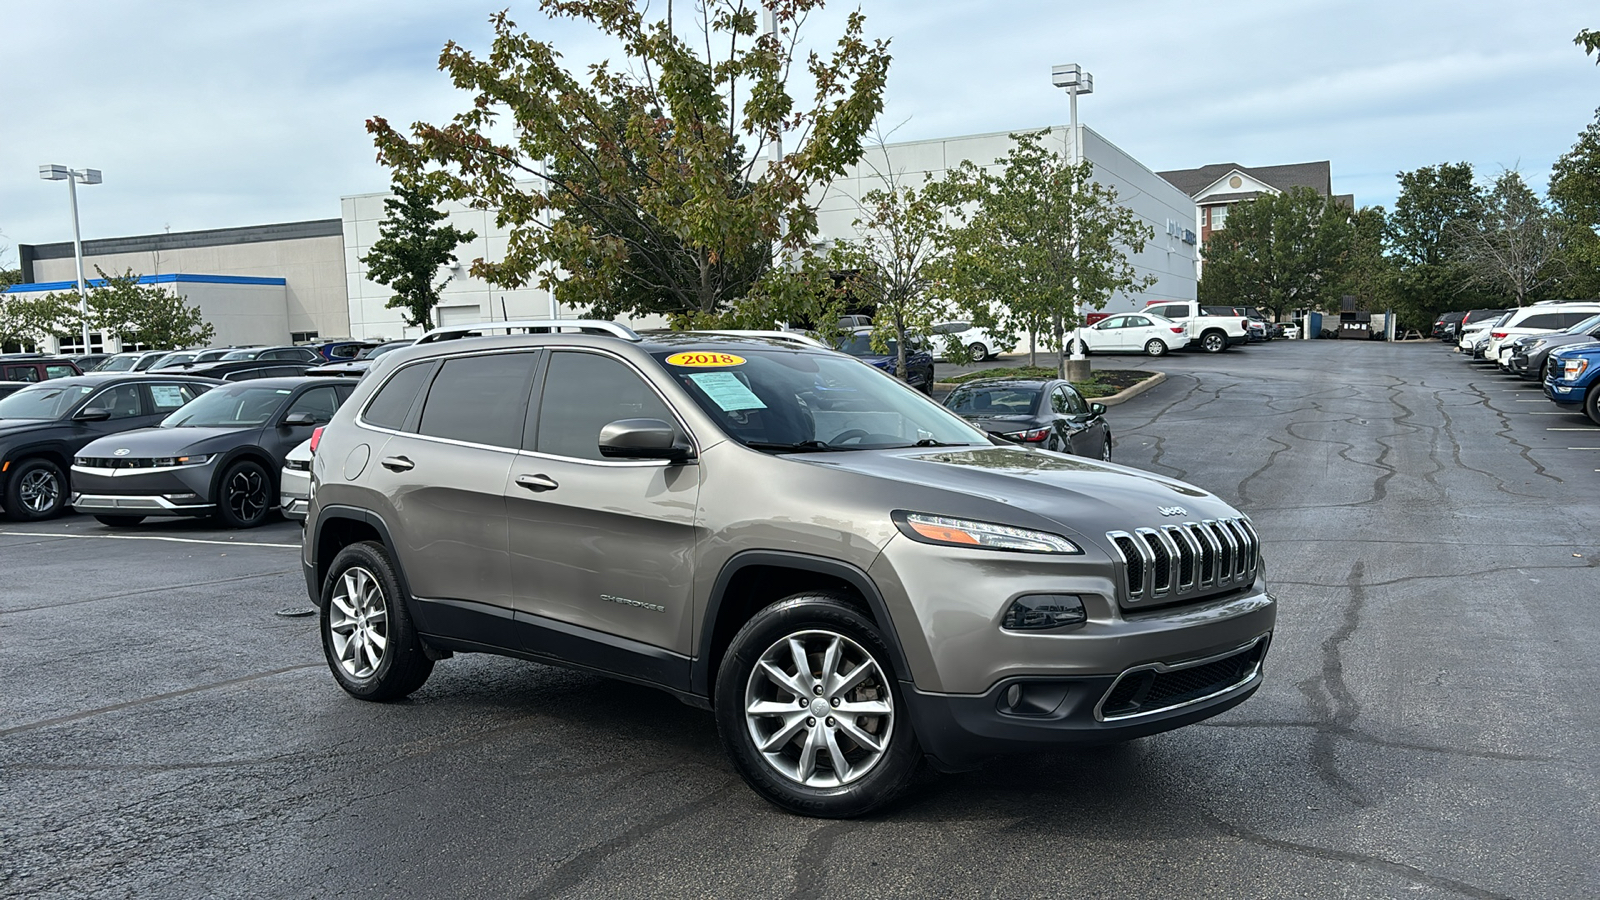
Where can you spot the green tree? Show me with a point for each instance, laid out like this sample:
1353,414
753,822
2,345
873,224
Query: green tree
1280,253
1370,273
27,319
1575,193
1040,238
1434,202
141,313
657,186
411,249
1515,246
1589,40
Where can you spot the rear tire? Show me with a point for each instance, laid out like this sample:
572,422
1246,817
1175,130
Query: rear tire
119,521
1155,347
367,636
832,737
1213,342
35,490
977,351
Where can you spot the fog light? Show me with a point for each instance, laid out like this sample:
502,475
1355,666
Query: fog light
1037,612
182,497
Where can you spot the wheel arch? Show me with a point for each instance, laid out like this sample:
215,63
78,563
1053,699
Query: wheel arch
754,572
256,455
338,527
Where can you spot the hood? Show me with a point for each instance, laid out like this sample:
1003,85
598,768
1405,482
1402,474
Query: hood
12,427
1083,496
145,443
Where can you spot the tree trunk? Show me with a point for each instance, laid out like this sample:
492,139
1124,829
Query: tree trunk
900,355
1033,347
1059,329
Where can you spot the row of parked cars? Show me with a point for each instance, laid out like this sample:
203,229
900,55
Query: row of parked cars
1556,343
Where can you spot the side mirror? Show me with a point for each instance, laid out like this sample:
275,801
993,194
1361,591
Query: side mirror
299,420
1097,409
642,439
92,414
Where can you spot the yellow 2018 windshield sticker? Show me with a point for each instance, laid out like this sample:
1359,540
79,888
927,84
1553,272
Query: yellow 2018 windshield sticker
704,360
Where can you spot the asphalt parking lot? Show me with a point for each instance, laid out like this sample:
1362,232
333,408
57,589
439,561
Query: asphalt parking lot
1428,727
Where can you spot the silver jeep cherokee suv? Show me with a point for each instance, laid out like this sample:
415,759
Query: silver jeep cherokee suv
853,578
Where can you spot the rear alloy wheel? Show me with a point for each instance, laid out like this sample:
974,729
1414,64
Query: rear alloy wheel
1213,342
1155,347
367,636
36,490
244,495
119,521
1105,450
978,351
809,709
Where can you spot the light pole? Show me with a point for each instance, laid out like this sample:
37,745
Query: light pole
1075,81
72,177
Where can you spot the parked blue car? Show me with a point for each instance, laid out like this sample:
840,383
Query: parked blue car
1573,379
919,362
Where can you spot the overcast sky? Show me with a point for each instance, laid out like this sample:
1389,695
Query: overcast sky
207,114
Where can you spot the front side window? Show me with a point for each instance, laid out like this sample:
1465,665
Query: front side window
798,401
583,392
480,399
1113,322
1069,402
232,406
122,401
319,402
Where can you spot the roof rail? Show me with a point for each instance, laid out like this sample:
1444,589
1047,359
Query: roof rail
792,337
530,326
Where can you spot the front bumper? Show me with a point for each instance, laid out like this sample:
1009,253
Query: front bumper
1564,393
294,493
1018,715
172,491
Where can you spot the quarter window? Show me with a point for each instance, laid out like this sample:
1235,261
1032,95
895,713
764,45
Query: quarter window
480,399
583,392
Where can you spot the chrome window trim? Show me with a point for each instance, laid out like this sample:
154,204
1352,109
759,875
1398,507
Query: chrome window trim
1251,676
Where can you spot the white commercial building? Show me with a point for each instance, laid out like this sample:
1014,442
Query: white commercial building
1169,257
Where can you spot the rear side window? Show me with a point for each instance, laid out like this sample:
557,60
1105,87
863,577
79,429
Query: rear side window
59,371
22,373
393,401
1543,320
482,399
583,393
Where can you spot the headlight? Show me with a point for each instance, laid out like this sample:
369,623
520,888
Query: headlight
162,462
946,531
1572,368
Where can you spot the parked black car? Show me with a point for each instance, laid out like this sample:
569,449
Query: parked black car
919,362
220,455
247,369
44,425
1041,413
1529,353
308,355
1448,325
7,388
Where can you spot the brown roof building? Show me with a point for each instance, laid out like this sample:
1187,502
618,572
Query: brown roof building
1216,187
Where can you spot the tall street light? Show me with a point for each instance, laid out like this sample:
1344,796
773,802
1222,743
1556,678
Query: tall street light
73,177
1072,79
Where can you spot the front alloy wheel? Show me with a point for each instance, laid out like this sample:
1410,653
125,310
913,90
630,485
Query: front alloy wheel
36,491
245,495
358,623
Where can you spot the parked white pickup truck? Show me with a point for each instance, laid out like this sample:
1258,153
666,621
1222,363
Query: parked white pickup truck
1208,331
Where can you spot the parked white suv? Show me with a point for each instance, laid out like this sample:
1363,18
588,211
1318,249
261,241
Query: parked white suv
1539,318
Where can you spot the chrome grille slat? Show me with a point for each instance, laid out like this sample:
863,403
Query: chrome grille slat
1192,560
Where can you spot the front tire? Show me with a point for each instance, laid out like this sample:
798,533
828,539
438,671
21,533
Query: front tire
36,490
244,495
1213,342
1105,450
809,709
1155,347
1591,404
119,521
367,636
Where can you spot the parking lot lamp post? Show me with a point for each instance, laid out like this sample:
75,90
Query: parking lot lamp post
72,177
1072,79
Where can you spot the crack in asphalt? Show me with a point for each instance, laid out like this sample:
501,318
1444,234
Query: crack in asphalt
1243,491
575,869
1588,564
1523,450
810,878
157,698
1406,871
151,590
1330,698
1358,736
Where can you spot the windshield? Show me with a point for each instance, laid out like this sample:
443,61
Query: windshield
381,349
239,354
173,359
43,402
797,401
994,401
117,364
229,407
861,345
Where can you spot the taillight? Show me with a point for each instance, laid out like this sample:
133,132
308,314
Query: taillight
1032,436
1245,323
316,438
1499,335
1177,331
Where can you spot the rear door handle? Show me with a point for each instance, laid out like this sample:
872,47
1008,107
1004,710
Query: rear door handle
537,483
398,464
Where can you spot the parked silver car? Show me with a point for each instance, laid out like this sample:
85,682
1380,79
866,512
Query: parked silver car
853,578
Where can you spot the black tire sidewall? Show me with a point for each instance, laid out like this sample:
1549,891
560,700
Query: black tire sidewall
1155,347
13,497
800,613
1591,404
225,511
404,666
1213,342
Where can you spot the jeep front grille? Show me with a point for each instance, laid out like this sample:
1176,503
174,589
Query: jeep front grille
1187,561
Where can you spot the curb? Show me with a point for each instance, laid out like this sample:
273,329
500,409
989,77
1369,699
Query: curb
1126,394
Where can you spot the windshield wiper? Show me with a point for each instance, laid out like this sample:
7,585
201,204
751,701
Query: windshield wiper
930,442
797,447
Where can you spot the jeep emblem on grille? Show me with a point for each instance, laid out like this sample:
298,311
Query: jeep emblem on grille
1173,511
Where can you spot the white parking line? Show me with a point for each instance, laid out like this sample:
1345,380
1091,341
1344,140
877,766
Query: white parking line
1583,448
147,537
1572,429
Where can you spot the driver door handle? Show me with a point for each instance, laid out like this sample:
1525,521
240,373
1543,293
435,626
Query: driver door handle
537,483
398,464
